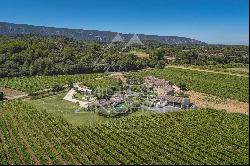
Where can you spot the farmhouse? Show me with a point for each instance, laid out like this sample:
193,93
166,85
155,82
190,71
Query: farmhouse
160,86
117,99
114,100
175,101
152,82
165,93
165,90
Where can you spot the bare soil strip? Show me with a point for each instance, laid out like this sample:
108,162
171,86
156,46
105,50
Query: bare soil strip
204,101
11,92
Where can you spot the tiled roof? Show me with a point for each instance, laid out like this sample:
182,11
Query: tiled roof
170,98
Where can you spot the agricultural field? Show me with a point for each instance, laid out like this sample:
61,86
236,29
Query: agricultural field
32,136
222,85
40,83
226,69
217,84
238,70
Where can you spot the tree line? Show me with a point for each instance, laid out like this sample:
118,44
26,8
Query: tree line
29,55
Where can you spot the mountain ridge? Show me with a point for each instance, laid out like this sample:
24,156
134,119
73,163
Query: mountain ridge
93,35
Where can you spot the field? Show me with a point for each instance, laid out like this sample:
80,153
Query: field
203,100
217,84
31,136
222,85
230,88
228,69
239,70
34,84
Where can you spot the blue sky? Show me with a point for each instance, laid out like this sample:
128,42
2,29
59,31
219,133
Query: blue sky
212,21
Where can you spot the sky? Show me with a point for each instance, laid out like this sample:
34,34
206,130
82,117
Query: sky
211,21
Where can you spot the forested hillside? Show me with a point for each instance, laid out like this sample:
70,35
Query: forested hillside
28,55
90,35
36,55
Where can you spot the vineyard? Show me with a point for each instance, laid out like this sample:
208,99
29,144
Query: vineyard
34,84
222,85
31,136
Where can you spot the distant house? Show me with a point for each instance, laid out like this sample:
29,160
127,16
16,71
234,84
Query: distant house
169,58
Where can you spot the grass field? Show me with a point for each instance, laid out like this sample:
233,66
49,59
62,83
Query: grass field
31,136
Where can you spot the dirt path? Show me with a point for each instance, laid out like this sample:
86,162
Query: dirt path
204,100
209,71
12,94
69,97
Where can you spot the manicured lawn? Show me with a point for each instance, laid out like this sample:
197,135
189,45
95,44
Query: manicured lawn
56,105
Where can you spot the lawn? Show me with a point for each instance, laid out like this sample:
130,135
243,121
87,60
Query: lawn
56,105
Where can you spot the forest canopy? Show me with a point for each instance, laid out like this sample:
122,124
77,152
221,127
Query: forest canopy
29,55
